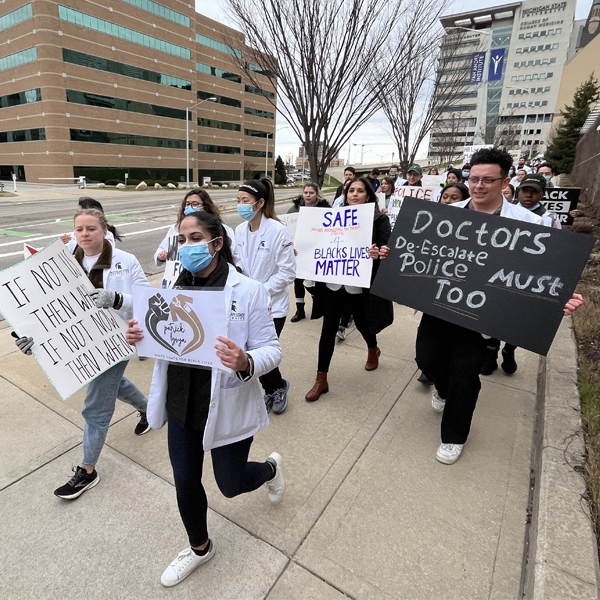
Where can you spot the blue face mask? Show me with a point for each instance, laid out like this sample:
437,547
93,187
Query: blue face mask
195,257
548,177
245,211
191,209
465,174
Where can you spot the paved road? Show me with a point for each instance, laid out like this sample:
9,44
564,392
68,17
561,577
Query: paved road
39,216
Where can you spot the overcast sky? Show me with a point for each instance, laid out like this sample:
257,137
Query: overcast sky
374,134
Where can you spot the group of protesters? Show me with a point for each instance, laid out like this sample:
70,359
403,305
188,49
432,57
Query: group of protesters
222,410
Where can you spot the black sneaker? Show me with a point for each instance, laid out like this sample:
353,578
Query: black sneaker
489,366
142,427
79,483
424,379
509,364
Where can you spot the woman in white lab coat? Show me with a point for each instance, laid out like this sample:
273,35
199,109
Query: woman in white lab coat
266,253
212,409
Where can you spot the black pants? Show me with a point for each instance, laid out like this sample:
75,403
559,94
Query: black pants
299,290
452,357
273,380
233,473
346,316
334,303
493,345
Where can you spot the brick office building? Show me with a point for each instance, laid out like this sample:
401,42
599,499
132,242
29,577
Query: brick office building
102,90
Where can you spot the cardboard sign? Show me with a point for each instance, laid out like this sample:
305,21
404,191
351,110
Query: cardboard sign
290,220
561,201
47,297
333,244
180,325
172,266
505,278
405,191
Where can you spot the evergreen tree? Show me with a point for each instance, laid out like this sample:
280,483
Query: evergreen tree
280,172
561,151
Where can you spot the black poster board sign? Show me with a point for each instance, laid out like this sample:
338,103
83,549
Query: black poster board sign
561,200
505,278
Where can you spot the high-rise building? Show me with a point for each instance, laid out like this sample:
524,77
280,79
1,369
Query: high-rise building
510,58
101,90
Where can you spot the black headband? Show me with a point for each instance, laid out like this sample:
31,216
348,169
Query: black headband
256,188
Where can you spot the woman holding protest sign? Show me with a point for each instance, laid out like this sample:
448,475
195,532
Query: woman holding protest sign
311,196
371,313
113,273
266,253
194,200
213,409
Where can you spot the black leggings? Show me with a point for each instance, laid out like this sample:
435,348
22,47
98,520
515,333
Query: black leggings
299,290
233,473
273,380
334,303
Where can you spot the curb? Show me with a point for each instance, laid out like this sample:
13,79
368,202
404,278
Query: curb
562,554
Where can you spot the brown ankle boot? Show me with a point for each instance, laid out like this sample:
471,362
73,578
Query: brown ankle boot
321,387
373,359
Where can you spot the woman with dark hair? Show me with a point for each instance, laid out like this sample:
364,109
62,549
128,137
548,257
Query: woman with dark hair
311,196
509,193
339,201
387,187
454,192
266,254
85,202
434,171
213,409
194,200
371,313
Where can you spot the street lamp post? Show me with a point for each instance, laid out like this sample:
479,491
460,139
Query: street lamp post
187,137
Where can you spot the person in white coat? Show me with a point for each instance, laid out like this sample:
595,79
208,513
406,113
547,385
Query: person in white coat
266,253
113,273
194,200
213,409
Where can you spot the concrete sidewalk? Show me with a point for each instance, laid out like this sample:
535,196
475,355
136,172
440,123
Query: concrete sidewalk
368,512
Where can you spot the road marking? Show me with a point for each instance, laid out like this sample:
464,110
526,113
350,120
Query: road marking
11,254
121,217
15,233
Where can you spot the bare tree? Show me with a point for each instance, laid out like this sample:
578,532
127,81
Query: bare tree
425,95
448,139
507,132
323,57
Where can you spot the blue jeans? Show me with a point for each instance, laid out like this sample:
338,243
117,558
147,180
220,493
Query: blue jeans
99,406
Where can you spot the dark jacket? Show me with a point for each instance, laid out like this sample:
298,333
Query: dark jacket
339,191
299,201
380,312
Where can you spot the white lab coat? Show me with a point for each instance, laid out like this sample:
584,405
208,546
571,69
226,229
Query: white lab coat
237,409
125,271
173,236
511,211
72,243
273,263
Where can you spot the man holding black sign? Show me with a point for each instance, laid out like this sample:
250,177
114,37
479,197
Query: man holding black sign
451,354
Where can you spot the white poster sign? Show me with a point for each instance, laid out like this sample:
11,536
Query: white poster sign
470,150
47,297
172,271
180,325
404,191
333,244
381,200
290,220
433,181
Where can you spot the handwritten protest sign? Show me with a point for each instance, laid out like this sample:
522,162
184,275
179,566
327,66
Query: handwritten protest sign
561,201
333,244
47,297
433,181
502,277
290,220
405,191
180,325
173,266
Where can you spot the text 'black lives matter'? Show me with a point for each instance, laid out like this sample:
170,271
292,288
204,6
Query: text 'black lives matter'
505,278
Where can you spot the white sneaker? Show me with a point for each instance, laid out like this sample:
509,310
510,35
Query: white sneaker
437,403
276,486
449,453
185,564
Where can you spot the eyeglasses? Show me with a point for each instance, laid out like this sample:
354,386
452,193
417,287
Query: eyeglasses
194,204
485,181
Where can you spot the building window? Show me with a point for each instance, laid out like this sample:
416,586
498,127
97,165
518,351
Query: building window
219,124
15,17
265,114
257,153
544,102
110,66
219,174
160,11
554,46
27,97
123,33
220,99
208,70
219,149
23,135
122,104
256,133
254,90
260,70
18,58
216,45
125,139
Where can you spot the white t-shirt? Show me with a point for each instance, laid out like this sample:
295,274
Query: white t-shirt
90,261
